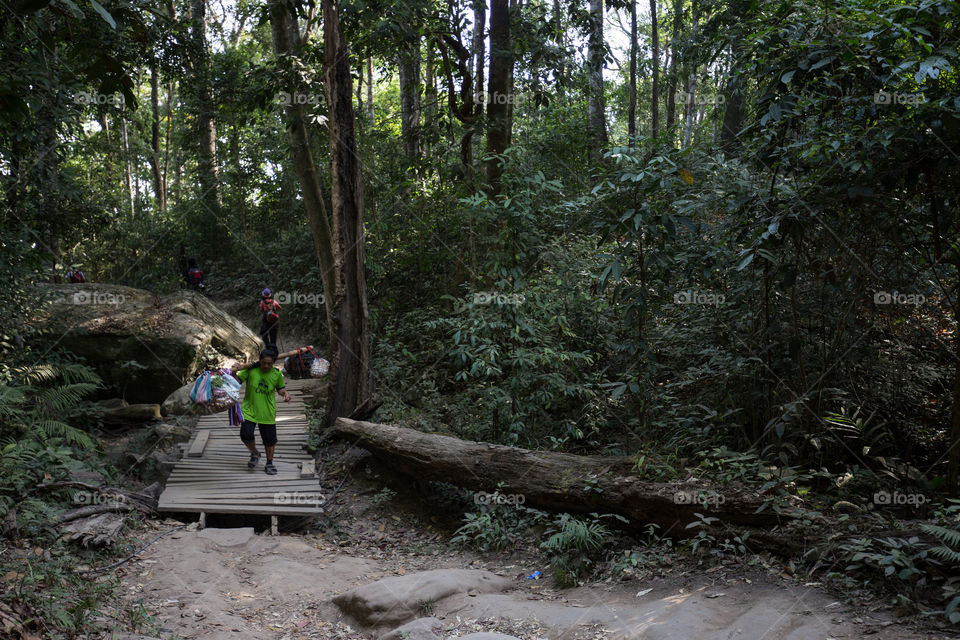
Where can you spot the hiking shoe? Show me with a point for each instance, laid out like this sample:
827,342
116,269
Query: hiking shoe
254,459
269,469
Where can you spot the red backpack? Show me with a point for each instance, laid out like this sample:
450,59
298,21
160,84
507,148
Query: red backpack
268,306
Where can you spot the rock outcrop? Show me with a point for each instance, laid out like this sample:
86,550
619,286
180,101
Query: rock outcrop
144,346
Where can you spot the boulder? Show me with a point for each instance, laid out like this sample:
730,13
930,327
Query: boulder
179,403
174,432
228,537
144,346
419,629
395,600
486,635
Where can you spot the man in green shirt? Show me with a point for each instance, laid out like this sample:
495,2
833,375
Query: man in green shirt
260,408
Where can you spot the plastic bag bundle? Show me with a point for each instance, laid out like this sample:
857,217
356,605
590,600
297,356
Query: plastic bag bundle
319,368
306,365
216,390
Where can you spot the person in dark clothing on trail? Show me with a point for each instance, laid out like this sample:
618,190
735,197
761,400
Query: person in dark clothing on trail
75,276
269,320
260,406
193,275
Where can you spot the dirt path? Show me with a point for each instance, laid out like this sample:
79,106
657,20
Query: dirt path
231,583
237,583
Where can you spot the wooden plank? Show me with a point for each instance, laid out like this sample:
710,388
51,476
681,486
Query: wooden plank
196,447
231,509
213,476
280,500
247,492
235,489
290,484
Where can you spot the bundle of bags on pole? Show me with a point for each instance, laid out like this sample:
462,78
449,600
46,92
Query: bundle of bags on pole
218,390
306,365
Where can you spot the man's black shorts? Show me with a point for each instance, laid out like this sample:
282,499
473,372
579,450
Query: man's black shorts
268,432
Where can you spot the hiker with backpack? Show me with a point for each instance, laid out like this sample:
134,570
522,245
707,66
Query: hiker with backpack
75,276
260,407
270,319
193,275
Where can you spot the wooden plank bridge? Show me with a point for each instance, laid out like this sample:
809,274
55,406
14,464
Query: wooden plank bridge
213,476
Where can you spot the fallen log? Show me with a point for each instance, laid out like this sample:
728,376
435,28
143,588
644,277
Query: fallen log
100,529
99,499
558,481
132,413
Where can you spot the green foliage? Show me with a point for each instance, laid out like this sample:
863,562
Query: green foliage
576,545
495,526
950,539
34,438
47,584
383,497
913,573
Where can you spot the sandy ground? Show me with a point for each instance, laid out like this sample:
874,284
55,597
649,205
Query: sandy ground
233,582
214,585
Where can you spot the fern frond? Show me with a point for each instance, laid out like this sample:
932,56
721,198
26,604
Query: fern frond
64,397
946,554
73,373
36,373
10,400
51,431
19,452
950,537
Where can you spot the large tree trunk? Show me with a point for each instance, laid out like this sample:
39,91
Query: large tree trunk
166,141
691,92
370,113
207,139
596,121
499,92
479,53
351,393
733,115
430,93
127,171
560,38
159,188
632,108
674,78
285,41
556,481
409,65
655,97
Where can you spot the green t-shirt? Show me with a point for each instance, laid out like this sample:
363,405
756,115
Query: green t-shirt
259,399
